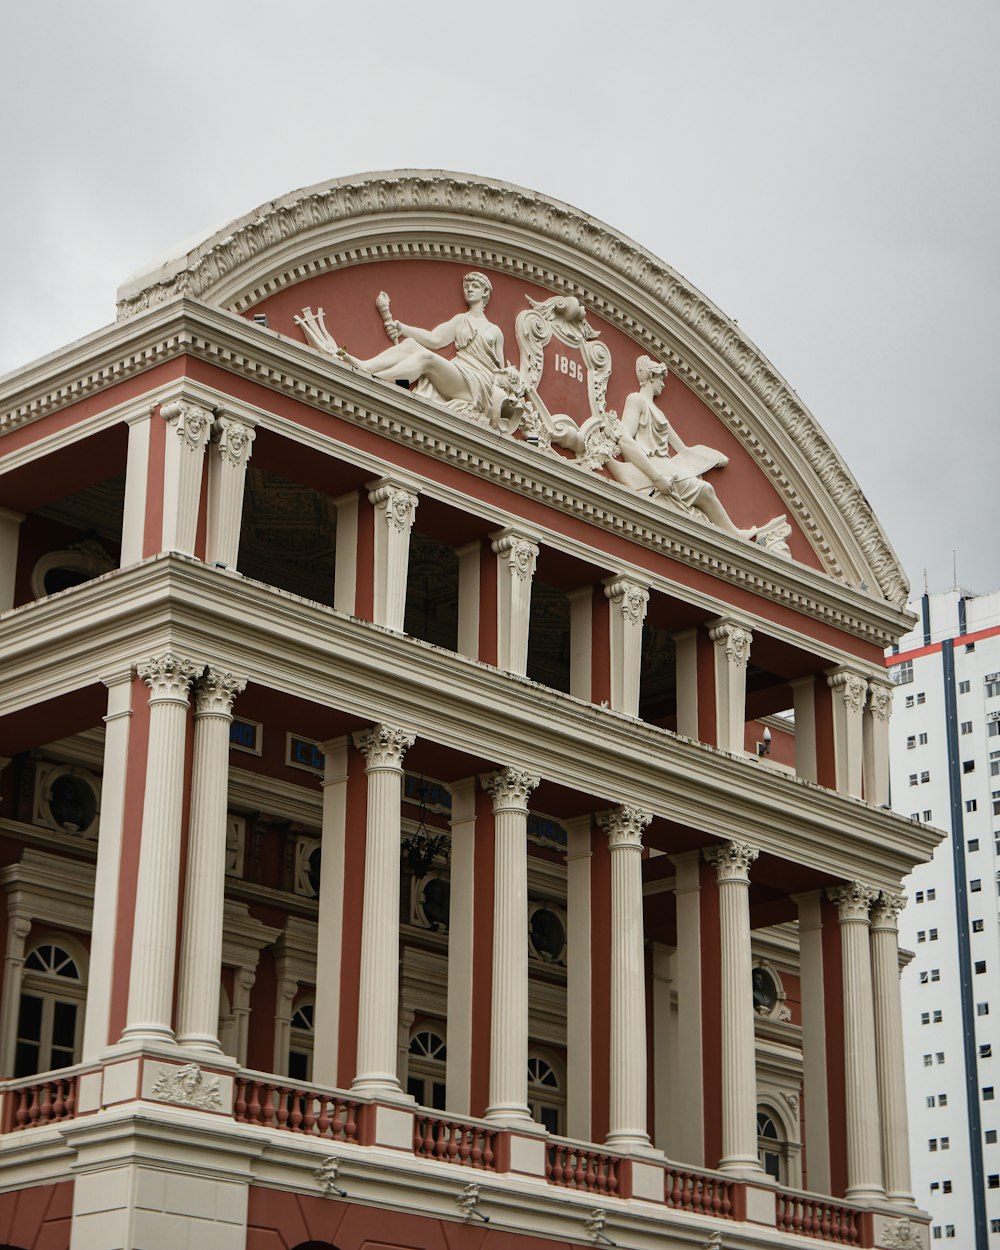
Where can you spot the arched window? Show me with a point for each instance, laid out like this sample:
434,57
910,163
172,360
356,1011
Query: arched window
546,1093
50,1012
300,1042
772,1149
426,1072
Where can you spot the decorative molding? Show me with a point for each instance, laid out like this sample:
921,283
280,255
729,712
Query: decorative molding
214,692
191,423
383,746
396,504
880,700
734,638
630,598
168,677
520,553
886,908
233,267
732,860
510,788
853,900
853,689
901,1234
624,826
189,1087
234,439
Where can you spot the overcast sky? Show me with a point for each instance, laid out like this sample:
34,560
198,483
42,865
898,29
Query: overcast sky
828,174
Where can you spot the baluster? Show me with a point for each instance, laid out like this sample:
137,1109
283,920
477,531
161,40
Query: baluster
593,1176
21,1116
295,1117
488,1154
267,1111
323,1119
35,1106
430,1138
337,1123
281,1102
351,1123
240,1102
253,1109
309,1102
454,1137
58,1102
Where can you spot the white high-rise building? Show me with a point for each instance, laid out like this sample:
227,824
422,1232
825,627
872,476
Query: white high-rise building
945,770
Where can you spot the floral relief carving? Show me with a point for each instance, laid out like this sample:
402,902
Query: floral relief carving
624,826
189,1087
732,860
852,900
191,423
215,691
384,746
168,676
510,787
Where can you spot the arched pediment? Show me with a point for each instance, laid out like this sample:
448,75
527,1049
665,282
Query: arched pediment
312,236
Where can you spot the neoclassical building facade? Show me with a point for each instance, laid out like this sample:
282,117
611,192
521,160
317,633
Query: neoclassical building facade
444,742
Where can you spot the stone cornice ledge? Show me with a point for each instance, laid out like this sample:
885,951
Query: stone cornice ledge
380,215
283,365
289,644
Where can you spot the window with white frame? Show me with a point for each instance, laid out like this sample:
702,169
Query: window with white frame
902,673
300,1040
964,687
426,1068
992,684
772,1148
50,1011
546,1093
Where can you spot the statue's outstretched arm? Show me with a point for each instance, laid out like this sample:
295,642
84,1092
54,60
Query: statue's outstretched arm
434,339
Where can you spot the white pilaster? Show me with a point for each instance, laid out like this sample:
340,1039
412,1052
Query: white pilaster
732,862
875,735
109,846
628,602
581,642
394,506
243,983
864,1145
345,569
204,892
383,747
689,1127
814,1070
10,529
686,676
232,444
136,487
154,933
889,1047
664,1048
732,654
469,574
849,693
509,789
188,431
804,706
627,1101
516,559
330,939
461,938
579,1025
18,928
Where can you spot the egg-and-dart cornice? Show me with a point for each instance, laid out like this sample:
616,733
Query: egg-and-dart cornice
462,217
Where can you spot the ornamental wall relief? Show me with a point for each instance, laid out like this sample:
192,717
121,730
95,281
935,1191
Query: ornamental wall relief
556,397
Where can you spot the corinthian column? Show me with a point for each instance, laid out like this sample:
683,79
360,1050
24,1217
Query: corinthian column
509,789
394,508
516,559
849,692
875,737
732,654
232,442
732,862
154,931
188,429
204,893
889,1047
378,999
864,1144
627,1110
628,603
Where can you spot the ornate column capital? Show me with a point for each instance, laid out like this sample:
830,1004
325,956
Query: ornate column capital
168,677
629,597
234,439
853,900
509,788
394,501
734,638
214,692
886,908
853,688
732,860
383,747
520,553
880,700
624,826
191,423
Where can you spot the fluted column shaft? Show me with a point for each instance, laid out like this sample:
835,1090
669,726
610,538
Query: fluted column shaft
732,655
875,741
204,893
510,789
627,1106
188,431
889,1047
864,1145
232,443
395,507
516,559
849,694
732,863
378,1003
154,931
628,602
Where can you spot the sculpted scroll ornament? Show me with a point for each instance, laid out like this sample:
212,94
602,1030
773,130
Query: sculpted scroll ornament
396,503
735,639
852,900
192,424
520,553
624,826
234,439
631,599
880,700
168,676
732,860
384,746
509,788
189,1087
853,689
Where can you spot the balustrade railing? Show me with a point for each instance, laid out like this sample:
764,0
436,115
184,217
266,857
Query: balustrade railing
575,1167
818,1217
39,1102
454,1141
296,1108
700,1192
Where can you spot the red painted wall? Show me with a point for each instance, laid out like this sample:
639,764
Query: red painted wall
37,1218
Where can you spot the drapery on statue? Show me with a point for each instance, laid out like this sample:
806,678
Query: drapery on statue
477,382
645,440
